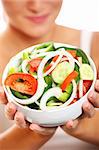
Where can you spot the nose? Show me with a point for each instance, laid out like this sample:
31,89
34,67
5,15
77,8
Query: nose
35,5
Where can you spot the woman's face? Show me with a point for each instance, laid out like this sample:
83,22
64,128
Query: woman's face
32,17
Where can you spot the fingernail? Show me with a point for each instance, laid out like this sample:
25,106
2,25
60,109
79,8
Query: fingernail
97,85
36,127
69,125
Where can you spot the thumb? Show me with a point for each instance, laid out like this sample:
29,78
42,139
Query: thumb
3,98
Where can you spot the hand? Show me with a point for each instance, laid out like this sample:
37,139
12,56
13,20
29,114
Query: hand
12,114
88,110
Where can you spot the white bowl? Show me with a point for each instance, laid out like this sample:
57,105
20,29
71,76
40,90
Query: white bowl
52,117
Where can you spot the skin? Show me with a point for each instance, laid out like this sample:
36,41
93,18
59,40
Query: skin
21,33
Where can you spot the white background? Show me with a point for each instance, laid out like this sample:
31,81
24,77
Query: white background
81,14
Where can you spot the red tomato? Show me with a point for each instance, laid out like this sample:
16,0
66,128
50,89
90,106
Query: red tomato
31,69
72,52
50,65
55,58
68,79
22,82
86,85
35,63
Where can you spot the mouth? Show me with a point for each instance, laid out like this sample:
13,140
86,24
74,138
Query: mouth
37,19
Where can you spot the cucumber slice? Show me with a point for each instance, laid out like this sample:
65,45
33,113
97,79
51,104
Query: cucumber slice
61,72
69,89
53,103
64,97
86,72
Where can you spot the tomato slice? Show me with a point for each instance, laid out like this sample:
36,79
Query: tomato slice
55,58
72,52
31,69
21,82
35,63
68,80
86,85
50,65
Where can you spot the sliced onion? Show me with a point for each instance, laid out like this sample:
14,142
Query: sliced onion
24,65
26,61
49,56
77,62
80,88
56,91
64,59
53,66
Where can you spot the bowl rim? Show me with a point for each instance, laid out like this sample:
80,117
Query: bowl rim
18,55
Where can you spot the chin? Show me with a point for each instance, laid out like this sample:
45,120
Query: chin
37,33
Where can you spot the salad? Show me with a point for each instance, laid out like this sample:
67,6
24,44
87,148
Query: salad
47,76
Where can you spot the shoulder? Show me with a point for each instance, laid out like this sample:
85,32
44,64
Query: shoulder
95,36
68,35
67,29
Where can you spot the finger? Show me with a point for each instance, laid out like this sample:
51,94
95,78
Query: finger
42,130
3,99
93,97
10,111
19,119
70,125
97,86
88,109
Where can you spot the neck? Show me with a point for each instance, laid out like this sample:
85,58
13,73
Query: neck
15,37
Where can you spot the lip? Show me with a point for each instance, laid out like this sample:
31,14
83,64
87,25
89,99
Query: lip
37,19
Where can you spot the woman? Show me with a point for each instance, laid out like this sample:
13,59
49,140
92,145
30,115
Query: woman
31,22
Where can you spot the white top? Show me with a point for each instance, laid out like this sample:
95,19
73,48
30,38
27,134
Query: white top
60,141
